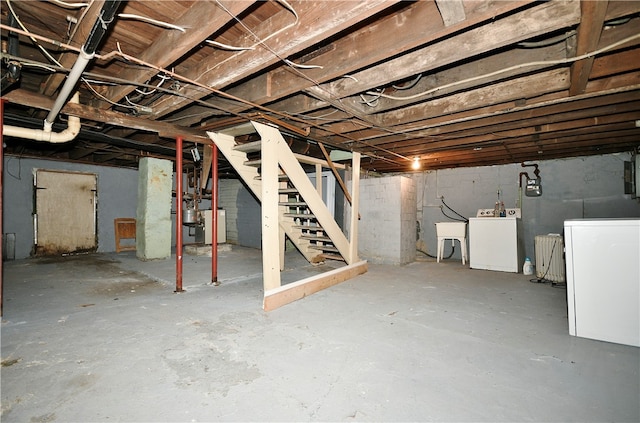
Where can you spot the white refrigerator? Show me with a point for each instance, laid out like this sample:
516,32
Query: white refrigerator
603,279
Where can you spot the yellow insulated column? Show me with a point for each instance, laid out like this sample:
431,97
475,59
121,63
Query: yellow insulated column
153,226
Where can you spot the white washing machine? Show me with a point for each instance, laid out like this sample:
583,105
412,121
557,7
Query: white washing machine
495,242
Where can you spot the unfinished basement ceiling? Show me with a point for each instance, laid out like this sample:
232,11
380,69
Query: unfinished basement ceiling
454,82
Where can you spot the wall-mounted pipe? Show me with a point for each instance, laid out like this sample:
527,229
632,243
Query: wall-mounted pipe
72,130
520,175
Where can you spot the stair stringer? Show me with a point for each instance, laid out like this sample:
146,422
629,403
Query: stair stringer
249,174
251,177
297,176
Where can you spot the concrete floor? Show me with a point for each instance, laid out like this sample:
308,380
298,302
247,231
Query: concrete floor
104,338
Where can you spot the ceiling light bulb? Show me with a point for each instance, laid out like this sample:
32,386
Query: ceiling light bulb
416,163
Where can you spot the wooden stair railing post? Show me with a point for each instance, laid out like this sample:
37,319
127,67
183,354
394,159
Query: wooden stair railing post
270,215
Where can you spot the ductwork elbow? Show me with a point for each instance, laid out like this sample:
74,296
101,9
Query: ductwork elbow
46,134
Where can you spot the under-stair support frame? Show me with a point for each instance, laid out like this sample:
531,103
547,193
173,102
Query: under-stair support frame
278,159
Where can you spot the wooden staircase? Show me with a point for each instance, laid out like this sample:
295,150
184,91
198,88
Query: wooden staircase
289,198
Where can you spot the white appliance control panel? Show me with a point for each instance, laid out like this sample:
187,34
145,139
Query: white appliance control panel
516,212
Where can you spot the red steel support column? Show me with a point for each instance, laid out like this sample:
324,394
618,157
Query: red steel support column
179,215
1,209
214,215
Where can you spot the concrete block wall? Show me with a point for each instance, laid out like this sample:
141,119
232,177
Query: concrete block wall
585,187
408,216
387,228
243,213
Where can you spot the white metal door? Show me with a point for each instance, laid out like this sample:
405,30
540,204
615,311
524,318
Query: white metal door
65,212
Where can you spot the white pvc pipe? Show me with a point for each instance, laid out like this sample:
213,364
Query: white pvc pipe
69,85
72,130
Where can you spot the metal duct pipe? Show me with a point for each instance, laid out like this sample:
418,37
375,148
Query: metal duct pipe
87,53
68,134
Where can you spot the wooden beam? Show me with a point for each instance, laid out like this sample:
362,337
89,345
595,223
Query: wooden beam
166,130
291,292
317,21
452,11
201,19
505,104
538,20
528,116
206,165
502,92
452,80
589,30
66,60
351,111
587,121
374,45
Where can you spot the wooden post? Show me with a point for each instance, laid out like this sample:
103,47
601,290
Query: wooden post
271,249
355,195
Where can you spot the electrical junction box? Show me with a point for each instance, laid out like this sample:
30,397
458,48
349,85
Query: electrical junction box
534,188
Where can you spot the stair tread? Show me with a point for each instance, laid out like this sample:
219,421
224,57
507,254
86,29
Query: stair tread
332,257
288,191
316,238
282,177
254,163
300,215
249,147
324,248
310,228
292,203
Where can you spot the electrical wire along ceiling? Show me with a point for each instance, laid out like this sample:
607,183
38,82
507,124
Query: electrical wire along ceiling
410,85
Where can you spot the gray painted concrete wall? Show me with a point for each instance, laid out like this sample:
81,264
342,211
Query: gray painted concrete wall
117,197
387,227
587,187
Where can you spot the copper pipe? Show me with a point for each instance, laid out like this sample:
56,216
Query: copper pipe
214,215
179,215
